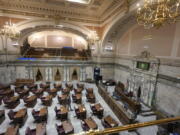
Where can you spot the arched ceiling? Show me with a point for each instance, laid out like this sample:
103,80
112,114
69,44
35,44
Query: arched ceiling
119,26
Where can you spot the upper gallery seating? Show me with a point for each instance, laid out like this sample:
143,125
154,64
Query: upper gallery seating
68,51
64,53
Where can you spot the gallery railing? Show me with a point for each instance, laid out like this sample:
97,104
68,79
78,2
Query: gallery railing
130,127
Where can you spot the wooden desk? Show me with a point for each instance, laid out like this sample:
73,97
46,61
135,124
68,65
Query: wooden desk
63,110
14,98
21,113
43,111
47,101
7,92
67,126
81,108
41,129
23,93
59,85
78,90
90,123
89,90
66,91
70,86
80,112
77,98
30,86
31,98
44,86
30,101
53,92
47,98
80,85
111,122
13,130
98,107
63,99
62,113
91,98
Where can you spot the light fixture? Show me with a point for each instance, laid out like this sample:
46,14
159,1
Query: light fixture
9,30
80,1
93,37
155,13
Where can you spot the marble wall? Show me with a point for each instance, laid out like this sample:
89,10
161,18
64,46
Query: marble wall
167,89
167,98
163,42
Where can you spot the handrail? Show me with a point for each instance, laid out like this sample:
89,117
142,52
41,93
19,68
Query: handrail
130,127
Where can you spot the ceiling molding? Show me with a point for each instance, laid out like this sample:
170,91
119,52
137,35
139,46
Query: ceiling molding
96,12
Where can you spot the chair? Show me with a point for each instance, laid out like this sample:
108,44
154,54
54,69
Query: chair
2,117
84,126
60,130
11,114
30,131
55,109
35,115
5,100
105,124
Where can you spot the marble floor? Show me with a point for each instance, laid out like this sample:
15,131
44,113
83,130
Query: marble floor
51,130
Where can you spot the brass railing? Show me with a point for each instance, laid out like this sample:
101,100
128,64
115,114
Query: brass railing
130,127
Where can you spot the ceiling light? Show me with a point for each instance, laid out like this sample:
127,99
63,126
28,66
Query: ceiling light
155,13
80,1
